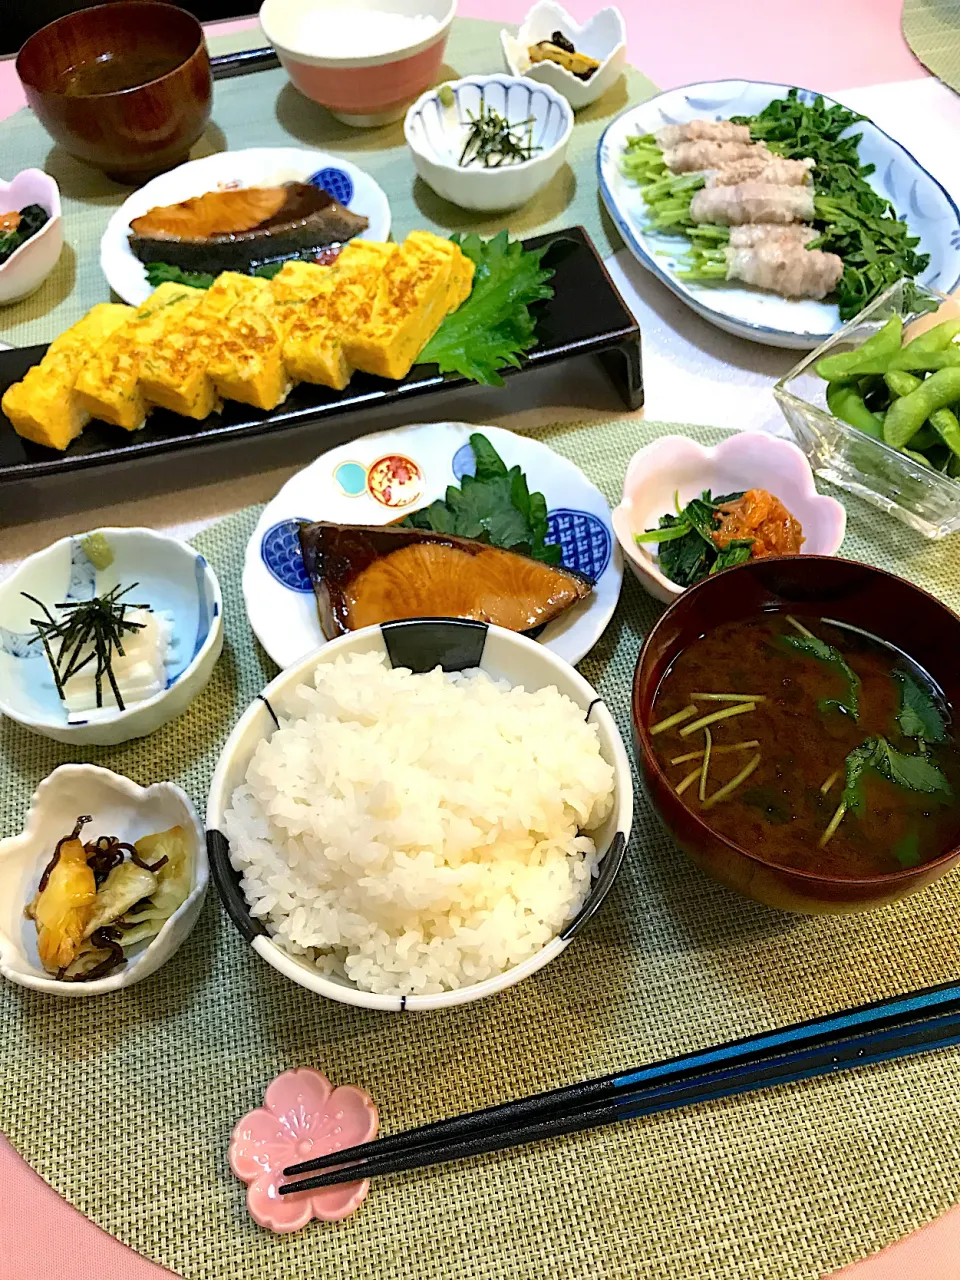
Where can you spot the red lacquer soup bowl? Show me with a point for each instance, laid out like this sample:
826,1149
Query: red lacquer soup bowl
877,602
125,87
359,88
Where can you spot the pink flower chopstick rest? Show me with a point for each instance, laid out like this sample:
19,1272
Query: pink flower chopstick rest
303,1116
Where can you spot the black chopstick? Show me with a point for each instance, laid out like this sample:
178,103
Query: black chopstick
894,1011
880,1046
242,63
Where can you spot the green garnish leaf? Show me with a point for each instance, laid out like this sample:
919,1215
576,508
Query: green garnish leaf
913,773
163,272
814,647
919,715
494,505
859,759
494,327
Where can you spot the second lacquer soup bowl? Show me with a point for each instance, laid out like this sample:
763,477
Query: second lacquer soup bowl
857,594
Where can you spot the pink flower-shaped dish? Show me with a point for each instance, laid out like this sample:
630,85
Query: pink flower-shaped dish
303,1116
746,460
29,265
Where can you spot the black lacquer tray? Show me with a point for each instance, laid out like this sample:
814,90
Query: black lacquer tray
585,316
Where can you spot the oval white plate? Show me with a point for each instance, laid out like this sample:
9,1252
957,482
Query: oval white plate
763,317
255,167
339,487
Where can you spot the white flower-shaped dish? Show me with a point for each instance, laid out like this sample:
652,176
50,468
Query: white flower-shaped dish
748,460
27,267
436,135
171,577
119,808
603,36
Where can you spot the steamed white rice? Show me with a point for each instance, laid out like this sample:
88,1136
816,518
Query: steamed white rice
418,833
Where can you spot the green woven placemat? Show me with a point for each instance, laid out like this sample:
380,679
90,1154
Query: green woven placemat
264,110
125,1103
932,30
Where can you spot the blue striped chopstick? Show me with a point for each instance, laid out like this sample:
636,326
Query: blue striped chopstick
894,1011
878,1046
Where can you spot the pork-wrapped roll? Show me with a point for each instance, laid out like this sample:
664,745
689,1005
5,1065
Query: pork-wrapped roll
787,269
750,234
763,168
752,202
701,130
686,157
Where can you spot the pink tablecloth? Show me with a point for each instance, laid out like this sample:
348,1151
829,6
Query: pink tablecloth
821,43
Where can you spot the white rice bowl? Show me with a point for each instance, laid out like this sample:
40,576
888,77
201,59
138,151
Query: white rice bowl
415,834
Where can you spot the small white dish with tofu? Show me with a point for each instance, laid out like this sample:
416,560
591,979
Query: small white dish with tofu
440,124
116,807
172,637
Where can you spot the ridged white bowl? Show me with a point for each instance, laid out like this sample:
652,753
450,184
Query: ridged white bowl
170,575
119,808
603,36
747,460
436,134
27,267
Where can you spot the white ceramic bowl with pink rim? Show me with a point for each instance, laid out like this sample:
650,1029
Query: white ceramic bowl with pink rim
677,465
30,264
364,60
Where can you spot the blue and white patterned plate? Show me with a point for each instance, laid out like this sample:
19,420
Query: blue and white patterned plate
378,479
748,313
255,167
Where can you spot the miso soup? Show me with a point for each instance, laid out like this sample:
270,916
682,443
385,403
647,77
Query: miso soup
812,745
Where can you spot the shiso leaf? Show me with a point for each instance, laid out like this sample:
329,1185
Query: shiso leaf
494,327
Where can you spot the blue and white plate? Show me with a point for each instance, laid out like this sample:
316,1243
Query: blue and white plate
381,478
748,313
255,167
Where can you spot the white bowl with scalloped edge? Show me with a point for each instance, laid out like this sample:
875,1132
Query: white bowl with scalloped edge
30,264
676,467
603,37
170,575
119,808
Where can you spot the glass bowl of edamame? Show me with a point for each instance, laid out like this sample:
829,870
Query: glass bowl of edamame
876,408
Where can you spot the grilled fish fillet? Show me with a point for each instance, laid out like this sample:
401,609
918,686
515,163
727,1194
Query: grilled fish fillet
366,575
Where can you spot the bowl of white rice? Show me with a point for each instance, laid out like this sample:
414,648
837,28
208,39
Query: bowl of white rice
419,814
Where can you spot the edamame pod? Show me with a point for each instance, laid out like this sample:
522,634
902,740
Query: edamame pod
873,357
845,402
907,415
925,361
945,423
901,383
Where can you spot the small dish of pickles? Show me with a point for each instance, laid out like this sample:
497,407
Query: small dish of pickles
102,886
